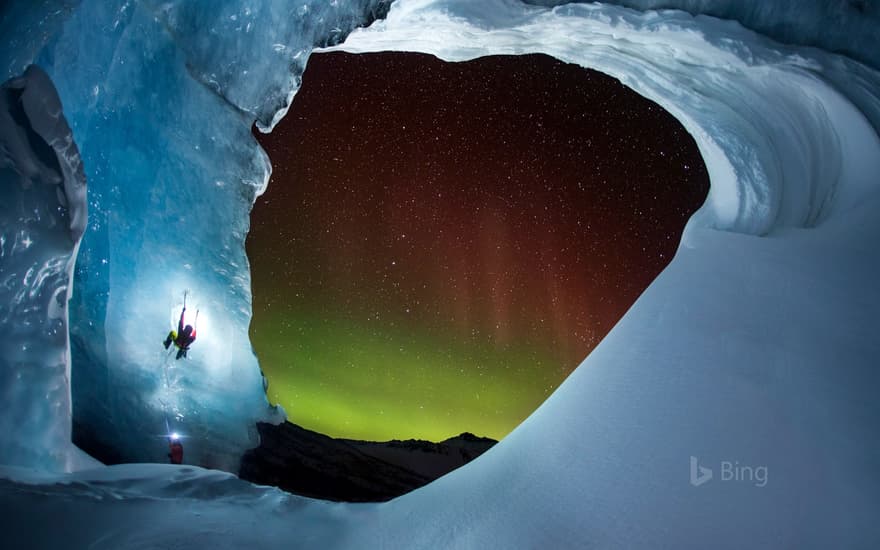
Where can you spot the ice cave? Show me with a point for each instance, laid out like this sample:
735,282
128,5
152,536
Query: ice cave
754,351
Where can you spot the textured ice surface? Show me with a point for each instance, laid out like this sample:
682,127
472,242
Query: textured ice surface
162,97
843,26
756,346
42,218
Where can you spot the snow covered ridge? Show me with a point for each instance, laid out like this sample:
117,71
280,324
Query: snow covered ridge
42,218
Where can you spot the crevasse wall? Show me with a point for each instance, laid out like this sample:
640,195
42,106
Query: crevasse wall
161,97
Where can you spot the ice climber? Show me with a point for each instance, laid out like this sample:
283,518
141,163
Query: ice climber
184,336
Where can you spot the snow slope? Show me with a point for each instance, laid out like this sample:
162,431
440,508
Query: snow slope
753,353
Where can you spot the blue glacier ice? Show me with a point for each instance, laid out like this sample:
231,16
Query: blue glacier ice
755,348
162,111
42,219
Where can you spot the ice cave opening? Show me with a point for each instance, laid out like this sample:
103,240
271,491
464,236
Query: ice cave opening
756,345
465,234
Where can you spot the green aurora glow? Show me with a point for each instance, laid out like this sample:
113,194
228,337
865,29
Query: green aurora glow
398,383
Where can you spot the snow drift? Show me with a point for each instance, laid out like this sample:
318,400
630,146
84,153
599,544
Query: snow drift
755,350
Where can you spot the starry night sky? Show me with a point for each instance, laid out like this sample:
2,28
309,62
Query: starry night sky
441,243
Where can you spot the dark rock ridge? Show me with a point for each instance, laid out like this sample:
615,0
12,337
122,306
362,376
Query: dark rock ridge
428,459
312,464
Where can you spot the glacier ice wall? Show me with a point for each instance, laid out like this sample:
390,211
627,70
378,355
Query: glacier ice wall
161,97
42,219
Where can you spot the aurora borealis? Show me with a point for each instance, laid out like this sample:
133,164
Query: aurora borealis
442,244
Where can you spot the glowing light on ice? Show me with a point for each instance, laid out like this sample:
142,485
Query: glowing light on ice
194,316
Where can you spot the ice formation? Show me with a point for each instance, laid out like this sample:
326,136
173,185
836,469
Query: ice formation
754,351
42,218
161,97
